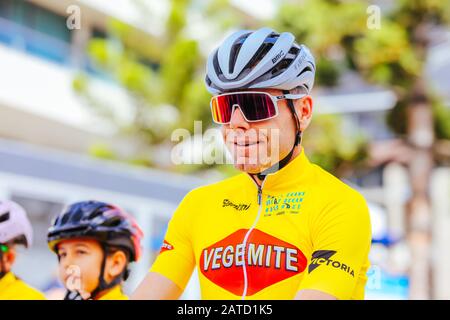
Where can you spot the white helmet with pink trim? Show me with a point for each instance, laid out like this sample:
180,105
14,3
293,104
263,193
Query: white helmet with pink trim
14,224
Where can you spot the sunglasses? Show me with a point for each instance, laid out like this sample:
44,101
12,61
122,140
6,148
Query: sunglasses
4,248
255,106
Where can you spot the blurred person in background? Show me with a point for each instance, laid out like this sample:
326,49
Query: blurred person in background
284,228
15,229
94,242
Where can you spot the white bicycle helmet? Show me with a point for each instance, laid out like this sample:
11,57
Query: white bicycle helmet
14,224
260,59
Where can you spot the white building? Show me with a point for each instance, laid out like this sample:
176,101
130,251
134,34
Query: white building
40,113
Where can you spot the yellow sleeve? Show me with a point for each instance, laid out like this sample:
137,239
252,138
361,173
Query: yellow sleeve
341,237
35,295
19,290
176,259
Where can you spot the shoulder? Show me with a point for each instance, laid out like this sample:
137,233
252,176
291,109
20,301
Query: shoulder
27,292
341,211
216,189
337,202
334,190
197,203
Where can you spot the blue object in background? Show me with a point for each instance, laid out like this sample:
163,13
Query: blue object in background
157,239
383,285
386,240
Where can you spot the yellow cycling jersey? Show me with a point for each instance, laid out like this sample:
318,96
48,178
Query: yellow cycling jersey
302,229
114,294
12,288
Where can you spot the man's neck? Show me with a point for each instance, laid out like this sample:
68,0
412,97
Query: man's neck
295,154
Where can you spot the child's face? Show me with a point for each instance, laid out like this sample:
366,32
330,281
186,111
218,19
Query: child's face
79,264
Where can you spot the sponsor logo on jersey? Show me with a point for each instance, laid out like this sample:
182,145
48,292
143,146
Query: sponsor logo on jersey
166,246
290,202
238,207
324,257
267,260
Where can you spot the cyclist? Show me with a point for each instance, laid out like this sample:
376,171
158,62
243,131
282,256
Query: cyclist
15,229
282,229
94,242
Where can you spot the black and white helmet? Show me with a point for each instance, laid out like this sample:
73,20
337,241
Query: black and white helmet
260,59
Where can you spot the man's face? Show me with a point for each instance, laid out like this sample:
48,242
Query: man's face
8,256
256,146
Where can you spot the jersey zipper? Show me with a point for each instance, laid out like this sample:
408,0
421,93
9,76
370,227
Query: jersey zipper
247,235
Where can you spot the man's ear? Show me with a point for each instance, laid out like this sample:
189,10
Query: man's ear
304,108
115,264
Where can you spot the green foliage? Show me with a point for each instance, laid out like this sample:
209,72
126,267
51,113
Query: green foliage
392,56
170,70
386,57
409,13
442,120
331,148
194,105
177,17
328,28
178,69
80,83
103,151
324,26
328,72
397,118
158,88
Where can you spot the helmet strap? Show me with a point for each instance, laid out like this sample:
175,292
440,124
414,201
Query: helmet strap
298,138
102,285
73,295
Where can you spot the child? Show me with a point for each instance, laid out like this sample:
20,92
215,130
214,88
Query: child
94,242
15,229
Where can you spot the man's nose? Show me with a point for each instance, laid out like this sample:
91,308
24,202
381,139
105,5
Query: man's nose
237,118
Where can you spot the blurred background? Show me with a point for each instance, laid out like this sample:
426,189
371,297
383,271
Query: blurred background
91,91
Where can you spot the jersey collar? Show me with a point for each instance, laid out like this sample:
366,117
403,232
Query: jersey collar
114,294
294,173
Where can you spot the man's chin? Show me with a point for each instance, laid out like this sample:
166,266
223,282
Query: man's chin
249,168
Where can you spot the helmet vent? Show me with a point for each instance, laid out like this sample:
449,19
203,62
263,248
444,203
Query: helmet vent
65,218
4,217
216,64
262,51
304,70
77,216
281,67
113,222
95,214
235,52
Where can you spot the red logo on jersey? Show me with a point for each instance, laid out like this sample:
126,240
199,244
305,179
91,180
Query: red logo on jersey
267,259
166,246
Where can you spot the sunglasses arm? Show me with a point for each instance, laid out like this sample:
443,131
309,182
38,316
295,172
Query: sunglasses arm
290,96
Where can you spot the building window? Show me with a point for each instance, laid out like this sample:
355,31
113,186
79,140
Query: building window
35,30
